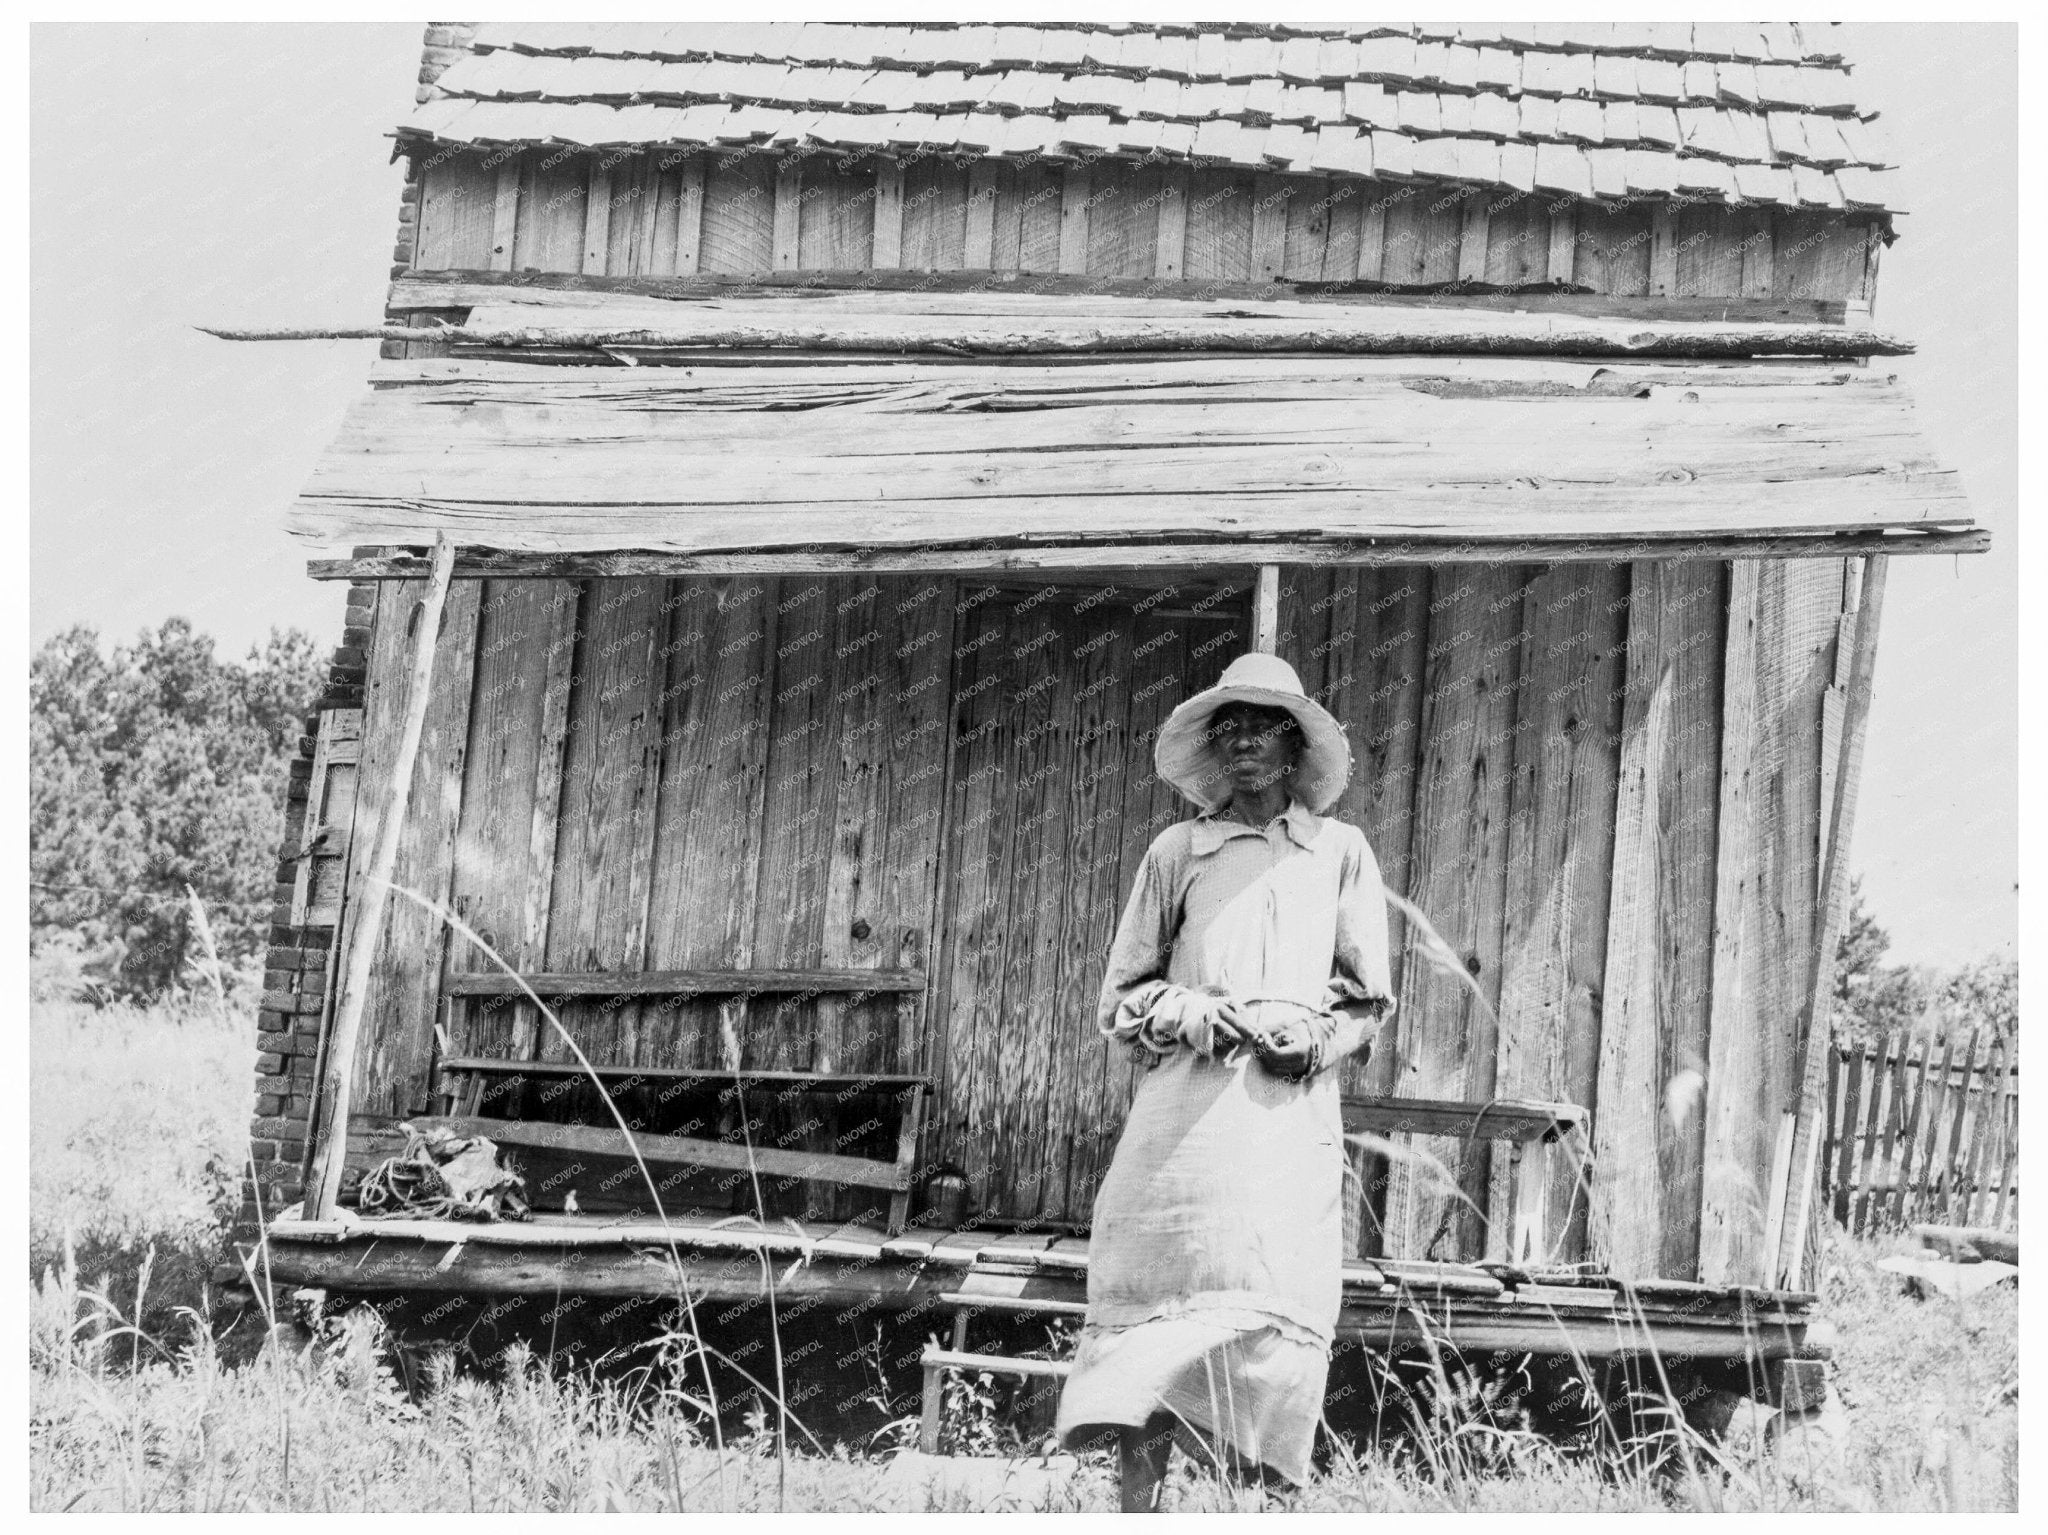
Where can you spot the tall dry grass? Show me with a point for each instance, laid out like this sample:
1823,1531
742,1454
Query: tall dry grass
137,1119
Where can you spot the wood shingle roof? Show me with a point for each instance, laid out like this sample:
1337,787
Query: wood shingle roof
1742,113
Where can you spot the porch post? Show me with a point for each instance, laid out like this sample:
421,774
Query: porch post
337,1086
1266,610
1788,1257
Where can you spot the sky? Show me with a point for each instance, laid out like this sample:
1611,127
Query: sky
186,174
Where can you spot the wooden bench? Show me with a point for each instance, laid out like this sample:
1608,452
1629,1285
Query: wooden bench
685,983
464,1082
1515,1223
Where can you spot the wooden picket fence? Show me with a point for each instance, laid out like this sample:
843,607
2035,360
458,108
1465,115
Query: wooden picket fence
1923,1132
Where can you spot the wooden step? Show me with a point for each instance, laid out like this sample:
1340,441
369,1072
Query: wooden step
1026,1304
936,1358
935,1361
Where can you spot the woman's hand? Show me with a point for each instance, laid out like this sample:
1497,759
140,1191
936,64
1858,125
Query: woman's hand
1207,1023
1230,1032
1289,1051
1213,1027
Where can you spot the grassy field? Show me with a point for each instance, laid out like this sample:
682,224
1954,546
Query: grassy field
137,1118
139,1121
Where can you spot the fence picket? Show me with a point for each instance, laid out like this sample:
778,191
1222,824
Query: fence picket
1981,1134
1902,1148
1830,1148
1909,1132
1866,1153
1845,1137
1894,1113
1921,1206
1946,1194
2008,1124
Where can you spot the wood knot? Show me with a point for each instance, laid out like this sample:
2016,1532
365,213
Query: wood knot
860,928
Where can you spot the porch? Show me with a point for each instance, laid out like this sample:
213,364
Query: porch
1391,1305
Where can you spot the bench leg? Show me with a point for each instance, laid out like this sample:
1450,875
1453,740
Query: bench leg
912,1110
1532,1192
1500,1199
928,1428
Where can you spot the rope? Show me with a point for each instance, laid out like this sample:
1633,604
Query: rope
412,1184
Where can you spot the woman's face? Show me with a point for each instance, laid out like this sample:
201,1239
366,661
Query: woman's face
1256,745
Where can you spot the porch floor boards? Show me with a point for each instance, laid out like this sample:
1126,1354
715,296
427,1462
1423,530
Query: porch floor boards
1388,1302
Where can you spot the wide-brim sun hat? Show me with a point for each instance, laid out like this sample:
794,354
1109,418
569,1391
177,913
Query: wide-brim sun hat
1186,758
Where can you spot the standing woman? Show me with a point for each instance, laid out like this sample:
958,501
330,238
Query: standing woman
1250,960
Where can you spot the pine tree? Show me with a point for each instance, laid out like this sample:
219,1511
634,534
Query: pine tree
1872,997
152,768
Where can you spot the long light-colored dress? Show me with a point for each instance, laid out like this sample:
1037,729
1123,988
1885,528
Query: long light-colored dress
1215,1260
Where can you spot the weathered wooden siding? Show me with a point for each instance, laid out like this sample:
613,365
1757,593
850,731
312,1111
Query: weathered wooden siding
505,847
1357,638
1602,783
1784,617
754,773
909,461
1649,1133
396,1043
668,214
1560,840
716,727
1053,805
1447,1040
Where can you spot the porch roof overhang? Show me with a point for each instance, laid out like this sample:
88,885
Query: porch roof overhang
871,432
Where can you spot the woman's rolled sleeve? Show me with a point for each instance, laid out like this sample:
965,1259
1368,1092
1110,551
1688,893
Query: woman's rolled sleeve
1135,974
1361,982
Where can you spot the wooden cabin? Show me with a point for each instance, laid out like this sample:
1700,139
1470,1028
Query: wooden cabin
808,461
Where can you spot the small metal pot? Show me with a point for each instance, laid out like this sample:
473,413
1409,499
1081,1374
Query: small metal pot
946,1197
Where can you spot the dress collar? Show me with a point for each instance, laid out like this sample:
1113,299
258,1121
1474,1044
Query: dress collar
1211,831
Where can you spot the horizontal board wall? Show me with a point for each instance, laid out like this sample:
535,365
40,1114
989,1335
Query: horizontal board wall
896,458
669,213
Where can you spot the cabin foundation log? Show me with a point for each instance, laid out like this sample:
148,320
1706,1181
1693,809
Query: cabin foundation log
1429,1304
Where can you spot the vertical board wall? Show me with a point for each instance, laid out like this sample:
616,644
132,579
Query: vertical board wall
1602,783
671,213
